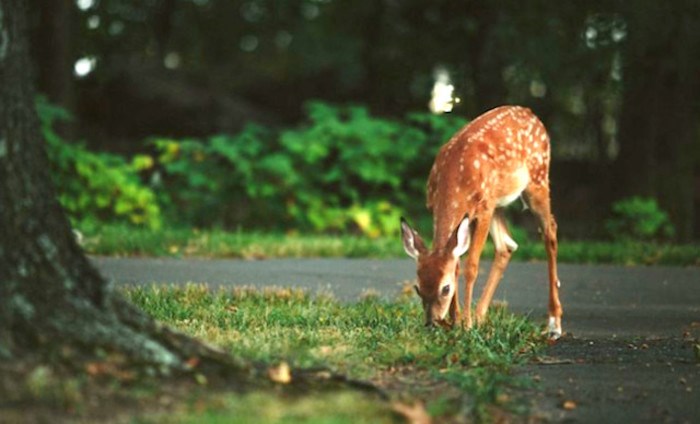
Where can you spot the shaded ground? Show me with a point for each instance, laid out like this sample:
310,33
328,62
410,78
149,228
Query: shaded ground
628,355
612,380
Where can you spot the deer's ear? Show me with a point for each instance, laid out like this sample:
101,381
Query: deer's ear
412,242
462,239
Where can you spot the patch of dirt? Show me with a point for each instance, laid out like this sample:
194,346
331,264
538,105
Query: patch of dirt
32,392
418,388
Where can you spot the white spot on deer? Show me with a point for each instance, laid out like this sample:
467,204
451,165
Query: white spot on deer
455,204
477,165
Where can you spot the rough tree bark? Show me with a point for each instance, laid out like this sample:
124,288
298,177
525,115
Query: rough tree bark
50,295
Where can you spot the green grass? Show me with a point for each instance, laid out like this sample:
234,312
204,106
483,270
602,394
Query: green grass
268,408
129,241
373,339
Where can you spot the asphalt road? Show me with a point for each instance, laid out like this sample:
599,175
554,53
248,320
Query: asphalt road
626,356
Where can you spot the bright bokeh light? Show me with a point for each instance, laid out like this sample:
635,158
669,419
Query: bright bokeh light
249,43
93,22
172,60
310,11
84,4
538,88
442,99
116,28
283,39
84,66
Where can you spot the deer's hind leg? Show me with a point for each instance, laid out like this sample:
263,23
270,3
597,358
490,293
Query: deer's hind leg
538,198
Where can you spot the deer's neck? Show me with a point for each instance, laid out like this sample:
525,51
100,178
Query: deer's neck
446,218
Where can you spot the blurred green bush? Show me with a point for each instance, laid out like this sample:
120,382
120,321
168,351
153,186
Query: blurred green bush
639,218
343,170
95,187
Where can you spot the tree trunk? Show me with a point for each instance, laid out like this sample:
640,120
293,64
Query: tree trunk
48,287
50,295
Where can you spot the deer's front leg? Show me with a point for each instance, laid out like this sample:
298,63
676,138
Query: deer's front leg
504,246
471,268
454,303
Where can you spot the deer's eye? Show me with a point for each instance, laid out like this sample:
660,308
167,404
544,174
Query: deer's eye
445,291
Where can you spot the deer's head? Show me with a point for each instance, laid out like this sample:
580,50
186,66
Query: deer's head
437,270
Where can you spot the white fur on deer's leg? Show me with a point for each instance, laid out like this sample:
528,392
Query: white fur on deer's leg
554,328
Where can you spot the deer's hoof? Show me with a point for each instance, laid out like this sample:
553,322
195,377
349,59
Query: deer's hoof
554,328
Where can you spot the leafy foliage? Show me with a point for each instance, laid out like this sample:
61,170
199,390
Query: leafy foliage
95,187
225,180
344,170
639,218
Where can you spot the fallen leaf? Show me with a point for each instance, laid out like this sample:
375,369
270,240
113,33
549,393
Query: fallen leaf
280,374
414,414
502,399
201,379
192,362
569,405
97,369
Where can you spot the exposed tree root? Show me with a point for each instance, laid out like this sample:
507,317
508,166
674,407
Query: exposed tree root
120,330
